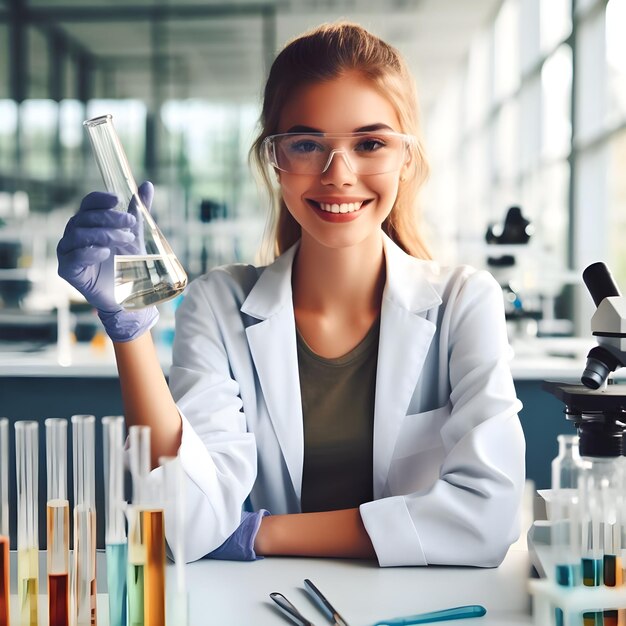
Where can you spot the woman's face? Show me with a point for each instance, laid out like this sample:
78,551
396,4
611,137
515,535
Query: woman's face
342,105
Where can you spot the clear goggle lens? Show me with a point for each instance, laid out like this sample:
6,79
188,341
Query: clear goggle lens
364,153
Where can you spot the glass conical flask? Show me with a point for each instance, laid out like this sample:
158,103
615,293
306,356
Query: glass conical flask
154,274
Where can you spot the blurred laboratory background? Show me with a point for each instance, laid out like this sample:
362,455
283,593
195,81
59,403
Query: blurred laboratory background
524,110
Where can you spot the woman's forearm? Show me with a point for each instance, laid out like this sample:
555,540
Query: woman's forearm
146,396
328,534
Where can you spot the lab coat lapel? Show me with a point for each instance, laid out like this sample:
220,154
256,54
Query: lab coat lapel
405,337
272,343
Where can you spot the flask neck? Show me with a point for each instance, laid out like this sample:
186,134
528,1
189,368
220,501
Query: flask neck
111,158
569,446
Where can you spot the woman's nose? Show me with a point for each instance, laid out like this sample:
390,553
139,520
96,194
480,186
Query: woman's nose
338,171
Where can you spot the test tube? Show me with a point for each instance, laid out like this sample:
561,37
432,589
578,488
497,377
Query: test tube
83,439
153,524
4,522
612,530
58,523
26,465
178,602
565,539
115,530
597,488
154,573
139,452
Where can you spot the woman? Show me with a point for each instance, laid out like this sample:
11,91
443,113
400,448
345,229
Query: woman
355,389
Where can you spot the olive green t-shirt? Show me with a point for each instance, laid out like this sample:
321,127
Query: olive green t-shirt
338,412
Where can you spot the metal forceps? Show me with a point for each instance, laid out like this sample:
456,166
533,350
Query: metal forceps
296,617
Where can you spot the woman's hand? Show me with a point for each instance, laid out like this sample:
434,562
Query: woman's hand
86,254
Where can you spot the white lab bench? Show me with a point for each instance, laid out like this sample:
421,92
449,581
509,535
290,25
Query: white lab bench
237,593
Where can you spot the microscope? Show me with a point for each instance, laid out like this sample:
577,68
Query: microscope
598,408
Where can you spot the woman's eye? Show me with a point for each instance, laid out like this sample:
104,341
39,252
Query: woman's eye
370,145
303,147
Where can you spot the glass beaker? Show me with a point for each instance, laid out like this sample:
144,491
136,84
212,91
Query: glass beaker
154,274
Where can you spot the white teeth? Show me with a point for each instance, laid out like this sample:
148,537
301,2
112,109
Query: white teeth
347,207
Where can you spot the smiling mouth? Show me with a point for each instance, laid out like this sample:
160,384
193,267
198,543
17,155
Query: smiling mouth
344,207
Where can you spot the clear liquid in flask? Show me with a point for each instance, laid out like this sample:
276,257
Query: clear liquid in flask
142,280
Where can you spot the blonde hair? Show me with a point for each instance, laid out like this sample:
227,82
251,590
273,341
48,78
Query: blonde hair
323,54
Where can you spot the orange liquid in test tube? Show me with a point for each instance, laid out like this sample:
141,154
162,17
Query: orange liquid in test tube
154,572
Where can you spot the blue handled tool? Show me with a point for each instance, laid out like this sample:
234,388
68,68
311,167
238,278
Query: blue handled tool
458,612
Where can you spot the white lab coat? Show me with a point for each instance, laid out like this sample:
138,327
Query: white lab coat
448,447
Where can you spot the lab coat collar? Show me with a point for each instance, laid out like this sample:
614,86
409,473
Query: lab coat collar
272,290
406,284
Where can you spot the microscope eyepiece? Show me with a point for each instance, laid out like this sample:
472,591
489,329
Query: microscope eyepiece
599,282
600,363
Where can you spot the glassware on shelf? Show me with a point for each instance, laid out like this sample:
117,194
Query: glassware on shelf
115,530
83,439
154,274
4,521
27,474
58,523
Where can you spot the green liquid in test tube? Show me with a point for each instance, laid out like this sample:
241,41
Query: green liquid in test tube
4,523
139,450
83,439
27,468
115,532
58,523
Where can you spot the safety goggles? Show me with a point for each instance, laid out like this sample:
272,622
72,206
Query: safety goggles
365,153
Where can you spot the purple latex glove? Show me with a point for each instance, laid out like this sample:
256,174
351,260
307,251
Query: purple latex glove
93,236
240,545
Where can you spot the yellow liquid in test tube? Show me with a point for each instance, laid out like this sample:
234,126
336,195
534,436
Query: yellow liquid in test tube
28,585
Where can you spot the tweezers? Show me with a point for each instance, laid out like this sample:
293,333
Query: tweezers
290,610
326,607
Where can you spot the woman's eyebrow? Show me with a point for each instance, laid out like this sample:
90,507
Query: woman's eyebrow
372,127
304,129
362,129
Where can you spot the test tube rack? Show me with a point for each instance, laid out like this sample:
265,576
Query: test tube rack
547,595
572,601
